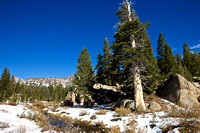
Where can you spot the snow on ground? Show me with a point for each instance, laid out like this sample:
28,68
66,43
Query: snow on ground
9,114
148,123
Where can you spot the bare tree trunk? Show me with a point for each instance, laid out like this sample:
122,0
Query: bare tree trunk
137,83
139,101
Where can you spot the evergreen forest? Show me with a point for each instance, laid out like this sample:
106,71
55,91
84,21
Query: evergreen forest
121,62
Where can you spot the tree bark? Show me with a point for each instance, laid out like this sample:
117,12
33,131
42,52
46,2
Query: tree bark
137,83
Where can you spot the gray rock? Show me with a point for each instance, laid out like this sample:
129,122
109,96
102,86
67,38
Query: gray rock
130,105
178,90
154,106
125,103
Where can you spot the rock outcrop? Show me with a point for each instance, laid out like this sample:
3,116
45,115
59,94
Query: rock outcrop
125,103
67,81
74,98
178,90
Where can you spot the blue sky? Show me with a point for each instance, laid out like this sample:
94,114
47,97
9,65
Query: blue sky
43,38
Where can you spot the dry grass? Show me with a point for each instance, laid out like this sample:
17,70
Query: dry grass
12,103
189,120
93,117
122,111
99,124
101,112
79,125
46,127
131,127
83,112
39,118
185,126
34,108
3,125
114,129
185,113
42,120
192,126
39,104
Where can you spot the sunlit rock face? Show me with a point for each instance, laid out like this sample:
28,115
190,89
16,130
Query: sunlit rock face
180,91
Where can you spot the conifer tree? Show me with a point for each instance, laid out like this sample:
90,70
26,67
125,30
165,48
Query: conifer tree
166,60
12,85
4,85
99,69
182,70
106,59
84,75
195,64
187,57
132,52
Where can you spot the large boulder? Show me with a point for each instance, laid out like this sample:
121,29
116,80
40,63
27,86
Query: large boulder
125,103
154,106
178,90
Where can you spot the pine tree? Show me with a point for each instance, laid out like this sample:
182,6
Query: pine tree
4,85
195,64
160,50
166,60
182,70
84,75
106,59
132,52
12,85
99,69
187,57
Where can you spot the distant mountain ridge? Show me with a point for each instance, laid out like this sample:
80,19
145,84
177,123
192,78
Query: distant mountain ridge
67,81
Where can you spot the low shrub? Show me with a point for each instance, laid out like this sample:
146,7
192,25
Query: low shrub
189,120
185,113
185,126
114,129
122,111
39,104
192,126
101,112
39,118
83,112
131,127
93,117
12,103
99,124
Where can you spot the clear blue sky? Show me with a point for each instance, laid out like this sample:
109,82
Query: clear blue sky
43,38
